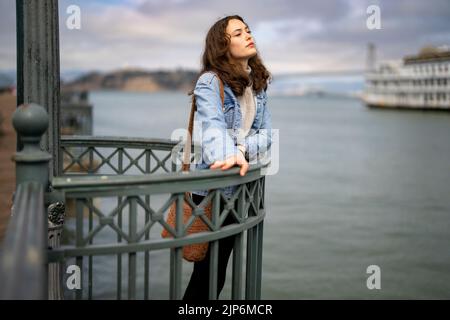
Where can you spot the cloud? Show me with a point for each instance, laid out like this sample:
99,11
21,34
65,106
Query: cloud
7,35
290,35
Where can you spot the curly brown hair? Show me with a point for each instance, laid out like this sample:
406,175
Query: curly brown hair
217,58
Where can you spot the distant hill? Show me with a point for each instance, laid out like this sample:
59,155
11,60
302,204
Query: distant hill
6,81
134,80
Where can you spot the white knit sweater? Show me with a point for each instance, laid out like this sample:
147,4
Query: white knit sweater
248,111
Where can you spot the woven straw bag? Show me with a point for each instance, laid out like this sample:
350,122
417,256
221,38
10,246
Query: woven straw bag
197,251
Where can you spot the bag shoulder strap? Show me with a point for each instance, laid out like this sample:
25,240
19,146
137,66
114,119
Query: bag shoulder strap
187,148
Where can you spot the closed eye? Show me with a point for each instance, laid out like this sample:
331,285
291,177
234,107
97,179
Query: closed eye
237,35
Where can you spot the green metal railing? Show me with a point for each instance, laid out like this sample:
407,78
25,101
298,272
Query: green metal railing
132,218
133,197
119,155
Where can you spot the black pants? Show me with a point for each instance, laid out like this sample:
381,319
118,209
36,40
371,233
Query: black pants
198,286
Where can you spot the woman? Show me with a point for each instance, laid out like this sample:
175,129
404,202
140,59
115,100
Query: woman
233,134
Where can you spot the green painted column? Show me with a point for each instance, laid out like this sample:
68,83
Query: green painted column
38,79
38,82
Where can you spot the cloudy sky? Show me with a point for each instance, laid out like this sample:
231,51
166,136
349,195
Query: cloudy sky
291,35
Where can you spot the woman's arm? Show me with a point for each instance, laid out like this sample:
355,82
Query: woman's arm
217,144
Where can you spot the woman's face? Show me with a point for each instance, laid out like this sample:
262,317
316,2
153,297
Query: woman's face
242,45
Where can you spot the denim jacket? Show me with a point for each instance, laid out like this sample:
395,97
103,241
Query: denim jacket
216,130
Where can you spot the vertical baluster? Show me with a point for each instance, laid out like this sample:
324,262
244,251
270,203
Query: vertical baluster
174,160
250,286
251,262
120,160
263,190
259,236
119,237
213,267
91,160
176,254
147,233
238,252
79,243
90,258
214,248
132,255
119,256
260,228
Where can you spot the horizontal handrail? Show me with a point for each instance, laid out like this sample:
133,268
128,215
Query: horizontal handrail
172,182
23,258
118,142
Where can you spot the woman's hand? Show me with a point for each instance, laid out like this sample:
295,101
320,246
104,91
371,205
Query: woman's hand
238,159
